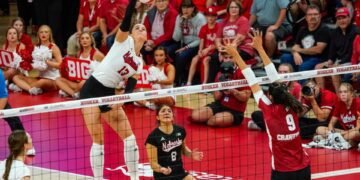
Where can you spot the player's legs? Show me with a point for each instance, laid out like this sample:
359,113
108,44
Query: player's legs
221,119
92,120
119,122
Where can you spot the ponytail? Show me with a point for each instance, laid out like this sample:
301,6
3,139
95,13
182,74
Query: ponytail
8,164
280,95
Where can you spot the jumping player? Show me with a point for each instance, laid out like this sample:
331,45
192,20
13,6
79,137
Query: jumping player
281,109
119,64
165,145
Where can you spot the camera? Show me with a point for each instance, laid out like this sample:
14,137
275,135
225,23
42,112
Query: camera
307,91
227,70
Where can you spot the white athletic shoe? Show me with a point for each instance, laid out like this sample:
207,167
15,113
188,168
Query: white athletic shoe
253,126
14,87
63,93
76,95
31,152
35,91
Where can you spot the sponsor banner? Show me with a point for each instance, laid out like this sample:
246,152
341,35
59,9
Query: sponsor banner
6,58
170,92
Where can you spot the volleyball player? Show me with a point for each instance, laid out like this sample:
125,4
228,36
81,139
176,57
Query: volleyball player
281,109
121,62
166,144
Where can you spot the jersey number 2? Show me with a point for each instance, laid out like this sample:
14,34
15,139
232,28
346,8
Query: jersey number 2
290,122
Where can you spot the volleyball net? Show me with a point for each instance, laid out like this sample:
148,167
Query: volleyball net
63,143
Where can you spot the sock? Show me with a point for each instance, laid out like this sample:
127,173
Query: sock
131,155
97,160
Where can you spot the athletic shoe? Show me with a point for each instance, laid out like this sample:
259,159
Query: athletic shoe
31,152
35,91
63,93
14,87
253,126
76,95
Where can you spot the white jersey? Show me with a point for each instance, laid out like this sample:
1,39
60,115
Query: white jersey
18,170
120,63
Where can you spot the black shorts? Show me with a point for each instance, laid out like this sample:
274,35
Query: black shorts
176,174
93,88
302,174
217,107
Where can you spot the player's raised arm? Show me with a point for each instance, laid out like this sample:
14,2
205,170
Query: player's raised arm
124,29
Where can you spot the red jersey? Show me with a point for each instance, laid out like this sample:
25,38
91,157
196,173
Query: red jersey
229,100
113,13
90,15
26,40
355,58
209,35
229,30
347,117
328,100
282,126
296,90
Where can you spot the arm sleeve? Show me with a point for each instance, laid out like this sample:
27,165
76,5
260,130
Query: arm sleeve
126,23
177,31
200,21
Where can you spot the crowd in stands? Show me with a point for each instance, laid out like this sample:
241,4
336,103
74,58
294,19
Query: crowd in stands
185,46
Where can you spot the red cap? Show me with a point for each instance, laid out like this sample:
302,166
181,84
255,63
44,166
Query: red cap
210,11
342,12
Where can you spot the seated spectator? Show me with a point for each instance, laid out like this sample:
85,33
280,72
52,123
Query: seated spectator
87,21
12,44
340,50
347,114
139,14
293,87
160,24
355,58
49,59
187,27
110,17
18,24
322,103
220,7
311,43
87,51
229,105
207,37
270,17
235,29
162,77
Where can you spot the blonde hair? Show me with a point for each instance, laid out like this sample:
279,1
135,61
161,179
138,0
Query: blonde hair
51,39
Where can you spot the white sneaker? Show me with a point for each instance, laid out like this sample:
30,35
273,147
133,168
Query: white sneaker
31,152
35,91
76,95
253,126
63,93
14,87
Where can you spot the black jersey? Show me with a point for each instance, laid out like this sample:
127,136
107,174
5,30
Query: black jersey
169,151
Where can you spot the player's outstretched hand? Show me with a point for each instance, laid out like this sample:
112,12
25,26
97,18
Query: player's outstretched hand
197,155
256,37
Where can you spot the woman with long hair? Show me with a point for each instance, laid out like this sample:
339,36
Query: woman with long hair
18,23
49,57
87,51
121,63
165,153
281,110
14,167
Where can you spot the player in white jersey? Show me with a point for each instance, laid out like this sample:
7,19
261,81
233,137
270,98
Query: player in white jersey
119,64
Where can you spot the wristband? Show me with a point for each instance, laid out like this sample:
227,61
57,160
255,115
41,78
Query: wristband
249,76
271,72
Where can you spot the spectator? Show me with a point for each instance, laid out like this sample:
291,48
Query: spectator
160,24
220,7
48,71
18,24
187,27
87,21
347,113
139,14
235,29
87,51
293,87
349,5
111,16
311,43
322,103
270,17
207,37
229,105
12,44
14,167
342,39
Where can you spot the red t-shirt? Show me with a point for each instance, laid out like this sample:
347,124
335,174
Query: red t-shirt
90,15
282,126
209,35
296,90
246,5
113,13
26,40
355,59
328,100
347,117
230,101
229,30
